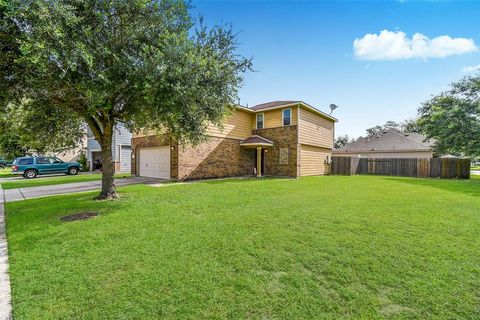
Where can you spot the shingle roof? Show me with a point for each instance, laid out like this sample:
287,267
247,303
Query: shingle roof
284,103
273,104
255,139
390,140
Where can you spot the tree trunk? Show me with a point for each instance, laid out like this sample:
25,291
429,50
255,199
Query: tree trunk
109,190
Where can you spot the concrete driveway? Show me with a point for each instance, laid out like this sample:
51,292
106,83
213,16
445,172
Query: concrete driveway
68,188
19,177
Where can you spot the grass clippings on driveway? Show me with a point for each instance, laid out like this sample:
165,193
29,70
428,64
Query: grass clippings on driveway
359,247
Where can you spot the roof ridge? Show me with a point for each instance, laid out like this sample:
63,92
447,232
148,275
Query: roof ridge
406,137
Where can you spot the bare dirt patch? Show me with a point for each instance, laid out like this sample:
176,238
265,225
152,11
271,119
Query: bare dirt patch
79,216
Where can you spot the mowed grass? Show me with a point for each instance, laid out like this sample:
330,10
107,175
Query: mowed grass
6,172
53,180
361,247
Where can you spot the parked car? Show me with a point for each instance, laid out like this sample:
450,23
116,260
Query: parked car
30,167
4,163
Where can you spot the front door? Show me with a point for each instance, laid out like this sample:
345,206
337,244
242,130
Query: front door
262,161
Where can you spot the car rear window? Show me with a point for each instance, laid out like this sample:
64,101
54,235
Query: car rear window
25,161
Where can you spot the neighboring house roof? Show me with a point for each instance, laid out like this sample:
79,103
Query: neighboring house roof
256,140
389,140
290,103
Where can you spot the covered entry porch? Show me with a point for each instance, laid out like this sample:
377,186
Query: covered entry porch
259,146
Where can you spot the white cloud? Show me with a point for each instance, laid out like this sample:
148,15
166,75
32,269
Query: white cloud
471,69
395,45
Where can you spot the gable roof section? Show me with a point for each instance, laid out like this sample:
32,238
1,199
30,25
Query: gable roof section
389,140
256,140
290,103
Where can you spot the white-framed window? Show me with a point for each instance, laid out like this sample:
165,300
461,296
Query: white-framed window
260,121
287,117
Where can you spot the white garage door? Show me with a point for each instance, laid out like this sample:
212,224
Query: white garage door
154,162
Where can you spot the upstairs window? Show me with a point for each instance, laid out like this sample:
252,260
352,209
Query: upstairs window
287,117
260,121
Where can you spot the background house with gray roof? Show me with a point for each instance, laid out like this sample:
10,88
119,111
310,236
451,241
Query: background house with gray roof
388,143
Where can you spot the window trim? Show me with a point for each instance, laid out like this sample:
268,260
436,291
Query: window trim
283,118
263,120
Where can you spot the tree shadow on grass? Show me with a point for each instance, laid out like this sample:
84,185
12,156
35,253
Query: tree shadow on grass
469,187
240,179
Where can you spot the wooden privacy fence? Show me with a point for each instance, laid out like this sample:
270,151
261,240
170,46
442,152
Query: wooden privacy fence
449,168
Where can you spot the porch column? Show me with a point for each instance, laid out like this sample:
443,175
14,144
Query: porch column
259,161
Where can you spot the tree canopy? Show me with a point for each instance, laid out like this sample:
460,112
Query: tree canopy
341,140
26,131
145,63
409,125
453,118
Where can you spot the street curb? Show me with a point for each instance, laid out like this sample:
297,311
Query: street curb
5,293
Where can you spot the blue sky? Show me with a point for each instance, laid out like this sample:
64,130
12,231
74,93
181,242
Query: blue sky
304,50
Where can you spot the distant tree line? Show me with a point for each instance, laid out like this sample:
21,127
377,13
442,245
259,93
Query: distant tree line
452,118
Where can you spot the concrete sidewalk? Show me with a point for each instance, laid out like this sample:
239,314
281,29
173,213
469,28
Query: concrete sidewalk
5,293
68,188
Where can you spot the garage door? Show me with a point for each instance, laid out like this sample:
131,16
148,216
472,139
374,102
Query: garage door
154,162
312,160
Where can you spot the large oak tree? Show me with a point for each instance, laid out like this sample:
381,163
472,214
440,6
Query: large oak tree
453,118
144,63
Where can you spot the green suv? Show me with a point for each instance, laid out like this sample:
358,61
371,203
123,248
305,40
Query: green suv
30,167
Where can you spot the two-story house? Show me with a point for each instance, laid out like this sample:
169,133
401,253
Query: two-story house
121,149
280,138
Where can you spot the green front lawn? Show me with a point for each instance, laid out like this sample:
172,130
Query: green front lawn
475,168
6,173
314,248
60,179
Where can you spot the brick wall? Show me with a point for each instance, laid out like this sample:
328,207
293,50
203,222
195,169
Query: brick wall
282,137
155,141
215,158
223,157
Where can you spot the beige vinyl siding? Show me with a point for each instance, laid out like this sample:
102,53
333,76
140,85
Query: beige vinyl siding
315,130
312,160
236,126
273,118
